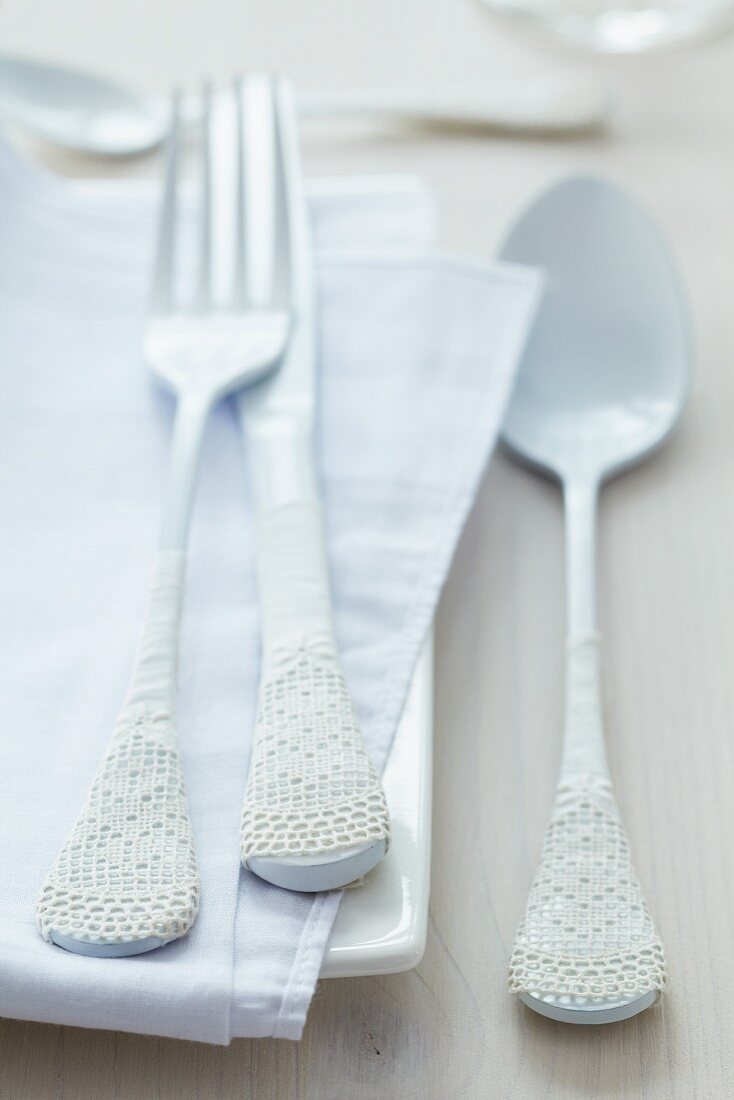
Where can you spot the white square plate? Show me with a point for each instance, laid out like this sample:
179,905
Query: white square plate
381,926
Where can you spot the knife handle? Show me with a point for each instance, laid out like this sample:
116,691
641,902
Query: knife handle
312,790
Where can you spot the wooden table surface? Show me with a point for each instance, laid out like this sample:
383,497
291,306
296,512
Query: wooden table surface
449,1029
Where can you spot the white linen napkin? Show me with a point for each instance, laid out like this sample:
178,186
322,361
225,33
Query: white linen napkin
418,353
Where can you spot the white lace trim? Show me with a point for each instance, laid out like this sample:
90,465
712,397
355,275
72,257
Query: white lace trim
312,788
587,931
128,870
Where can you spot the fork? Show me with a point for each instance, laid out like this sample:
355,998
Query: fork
126,880
314,814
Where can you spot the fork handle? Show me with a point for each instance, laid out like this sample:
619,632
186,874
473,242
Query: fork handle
292,564
192,415
311,789
294,586
126,879
152,686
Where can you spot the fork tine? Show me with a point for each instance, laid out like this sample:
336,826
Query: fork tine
162,289
256,189
292,246
238,290
204,295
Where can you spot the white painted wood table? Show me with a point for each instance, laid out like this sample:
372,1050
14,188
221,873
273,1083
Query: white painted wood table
449,1029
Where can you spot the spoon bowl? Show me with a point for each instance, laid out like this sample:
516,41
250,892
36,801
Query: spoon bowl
78,111
606,370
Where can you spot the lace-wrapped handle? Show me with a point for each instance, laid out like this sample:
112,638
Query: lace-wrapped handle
126,878
587,938
312,789
586,950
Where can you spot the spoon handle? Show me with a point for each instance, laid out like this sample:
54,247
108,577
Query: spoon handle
587,945
550,104
583,744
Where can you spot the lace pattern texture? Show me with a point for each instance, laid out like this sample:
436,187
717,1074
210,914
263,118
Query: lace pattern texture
128,870
587,932
312,788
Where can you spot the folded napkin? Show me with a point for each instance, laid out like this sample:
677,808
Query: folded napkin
417,356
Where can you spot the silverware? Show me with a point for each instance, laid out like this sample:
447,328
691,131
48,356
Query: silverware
91,114
126,881
536,106
603,381
314,814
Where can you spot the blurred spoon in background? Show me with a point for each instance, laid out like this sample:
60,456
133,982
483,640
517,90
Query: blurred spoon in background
90,114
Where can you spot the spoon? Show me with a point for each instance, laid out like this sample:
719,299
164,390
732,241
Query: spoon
602,383
93,115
